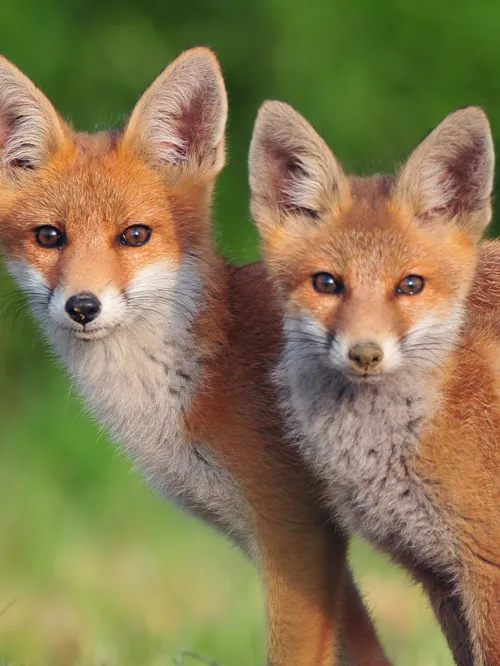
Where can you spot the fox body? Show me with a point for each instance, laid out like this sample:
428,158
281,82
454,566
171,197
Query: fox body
171,347
390,370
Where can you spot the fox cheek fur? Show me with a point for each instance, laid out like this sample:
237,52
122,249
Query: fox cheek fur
49,306
363,436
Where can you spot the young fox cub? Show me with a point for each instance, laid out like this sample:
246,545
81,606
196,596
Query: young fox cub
391,370
110,237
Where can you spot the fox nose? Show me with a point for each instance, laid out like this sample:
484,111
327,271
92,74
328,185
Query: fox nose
83,308
365,355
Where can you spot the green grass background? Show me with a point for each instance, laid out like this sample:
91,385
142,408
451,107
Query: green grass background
93,568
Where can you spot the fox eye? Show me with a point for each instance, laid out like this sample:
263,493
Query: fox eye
49,236
326,283
411,285
135,236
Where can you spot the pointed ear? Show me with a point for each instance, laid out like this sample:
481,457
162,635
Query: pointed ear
293,174
180,120
450,175
30,129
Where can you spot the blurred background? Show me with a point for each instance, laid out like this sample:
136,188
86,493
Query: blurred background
93,568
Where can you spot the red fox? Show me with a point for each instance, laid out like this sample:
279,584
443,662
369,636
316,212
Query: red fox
110,237
390,374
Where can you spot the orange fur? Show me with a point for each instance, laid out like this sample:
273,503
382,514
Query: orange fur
369,234
458,455
92,188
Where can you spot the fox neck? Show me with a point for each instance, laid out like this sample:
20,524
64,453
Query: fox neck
140,380
360,438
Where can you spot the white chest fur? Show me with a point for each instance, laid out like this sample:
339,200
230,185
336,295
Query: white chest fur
358,439
139,382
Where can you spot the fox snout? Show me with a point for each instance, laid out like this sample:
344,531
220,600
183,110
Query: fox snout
88,313
365,357
83,308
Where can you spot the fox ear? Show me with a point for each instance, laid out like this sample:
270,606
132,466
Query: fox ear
293,174
450,175
30,128
180,120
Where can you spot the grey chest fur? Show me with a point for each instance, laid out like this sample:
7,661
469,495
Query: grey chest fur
139,387
359,438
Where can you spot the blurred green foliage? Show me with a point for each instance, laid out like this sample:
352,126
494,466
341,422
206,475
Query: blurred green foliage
102,571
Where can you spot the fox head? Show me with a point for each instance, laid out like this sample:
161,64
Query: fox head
374,272
98,229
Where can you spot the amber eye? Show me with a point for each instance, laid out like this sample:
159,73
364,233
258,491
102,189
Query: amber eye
326,283
135,236
411,285
49,236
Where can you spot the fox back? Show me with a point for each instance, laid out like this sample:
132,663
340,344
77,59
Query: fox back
388,353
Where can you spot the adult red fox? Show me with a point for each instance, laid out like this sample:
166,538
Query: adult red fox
391,366
110,237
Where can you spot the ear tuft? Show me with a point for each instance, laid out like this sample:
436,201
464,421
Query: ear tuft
30,128
180,120
292,171
450,174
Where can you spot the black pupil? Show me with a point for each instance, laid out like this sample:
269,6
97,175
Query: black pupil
49,236
326,283
412,284
136,235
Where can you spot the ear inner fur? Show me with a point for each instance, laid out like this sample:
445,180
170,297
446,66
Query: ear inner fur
450,175
180,120
294,178
30,128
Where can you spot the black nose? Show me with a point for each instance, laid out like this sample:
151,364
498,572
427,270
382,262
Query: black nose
83,308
